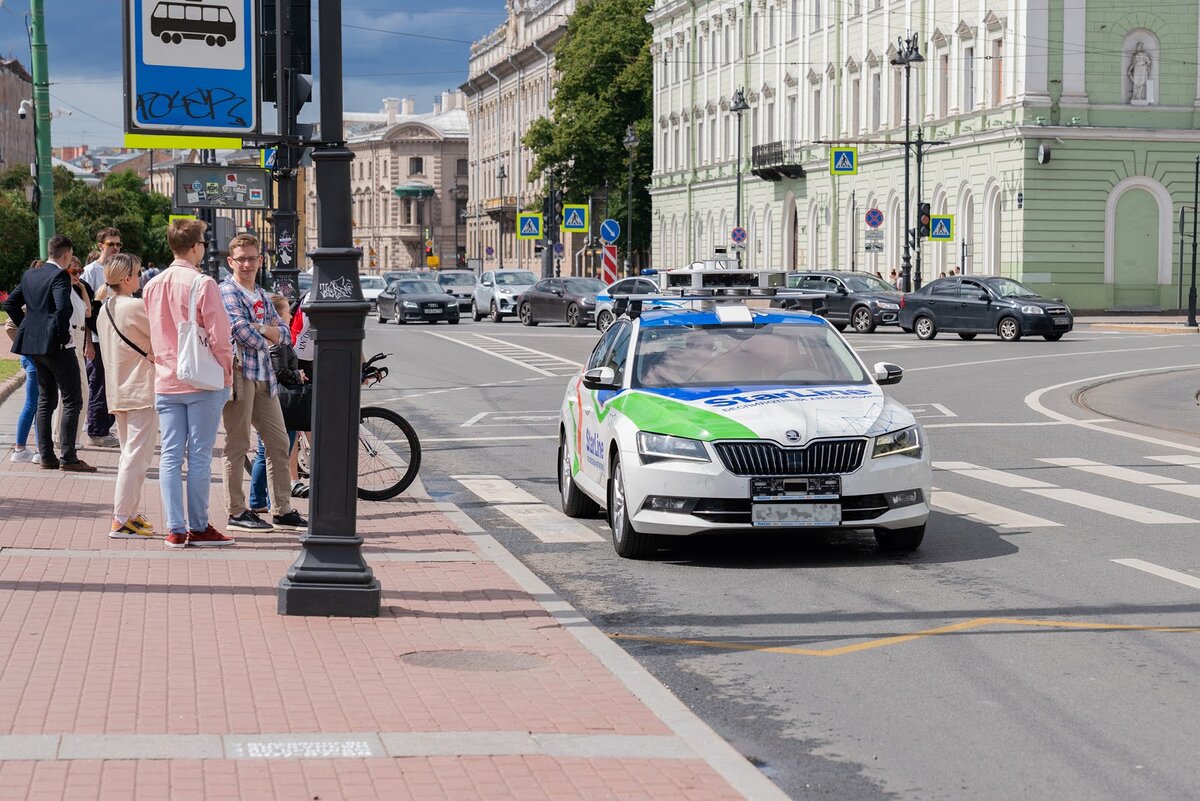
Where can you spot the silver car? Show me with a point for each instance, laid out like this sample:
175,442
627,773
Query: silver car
626,286
460,284
496,293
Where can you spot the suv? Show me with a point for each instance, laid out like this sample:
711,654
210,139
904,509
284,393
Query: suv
497,293
460,284
860,300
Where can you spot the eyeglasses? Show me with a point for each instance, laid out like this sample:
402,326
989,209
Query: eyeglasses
244,259
112,244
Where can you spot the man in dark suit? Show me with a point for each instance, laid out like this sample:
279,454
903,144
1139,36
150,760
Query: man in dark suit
41,307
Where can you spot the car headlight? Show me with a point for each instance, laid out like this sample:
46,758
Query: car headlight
408,304
588,303
885,304
663,446
1032,310
905,442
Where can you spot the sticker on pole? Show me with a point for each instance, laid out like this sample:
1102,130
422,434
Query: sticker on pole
941,227
738,235
843,161
610,230
874,218
575,219
529,225
191,66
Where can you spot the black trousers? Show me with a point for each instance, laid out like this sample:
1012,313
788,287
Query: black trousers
58,373
99,421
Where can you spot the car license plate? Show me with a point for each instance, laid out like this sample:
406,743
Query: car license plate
796,514
433,310
810,488
1062,320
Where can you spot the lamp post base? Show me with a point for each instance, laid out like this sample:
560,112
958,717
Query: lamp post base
329,578
329,600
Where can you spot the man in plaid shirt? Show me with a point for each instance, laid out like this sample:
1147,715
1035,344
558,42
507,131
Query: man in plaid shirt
256,326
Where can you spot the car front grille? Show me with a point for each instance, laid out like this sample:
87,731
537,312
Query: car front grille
736,511
1057,310
824,457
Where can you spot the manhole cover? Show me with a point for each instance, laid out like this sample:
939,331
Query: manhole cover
477,661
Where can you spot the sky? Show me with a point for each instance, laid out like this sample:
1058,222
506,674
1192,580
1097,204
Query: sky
391,48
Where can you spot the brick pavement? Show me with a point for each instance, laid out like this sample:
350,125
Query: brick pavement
129,671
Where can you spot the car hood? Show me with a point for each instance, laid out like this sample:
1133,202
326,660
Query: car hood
460,291
514,289
1044,303
428,297
890,297
790,416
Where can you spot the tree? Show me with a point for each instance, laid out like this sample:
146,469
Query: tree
605,84
82,210
18,237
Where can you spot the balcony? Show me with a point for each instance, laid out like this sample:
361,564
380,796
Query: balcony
775,161
497,207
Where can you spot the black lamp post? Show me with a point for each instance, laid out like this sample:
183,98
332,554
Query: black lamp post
907,53
739,105
457,193
631,144
501,177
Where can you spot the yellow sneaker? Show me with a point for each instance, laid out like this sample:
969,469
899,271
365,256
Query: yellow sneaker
129,530
145,525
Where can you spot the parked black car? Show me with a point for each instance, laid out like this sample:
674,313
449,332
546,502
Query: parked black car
557,300
416,301
860,300
970,305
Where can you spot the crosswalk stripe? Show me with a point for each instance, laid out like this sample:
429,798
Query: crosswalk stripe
494,489
1111,506
990,475
984,512
1181,459
1112,471
549,524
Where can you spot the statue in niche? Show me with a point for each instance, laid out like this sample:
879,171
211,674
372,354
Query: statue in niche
1139,75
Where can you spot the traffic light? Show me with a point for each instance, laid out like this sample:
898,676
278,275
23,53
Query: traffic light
428,250
301,46
552,210
923,214
538,247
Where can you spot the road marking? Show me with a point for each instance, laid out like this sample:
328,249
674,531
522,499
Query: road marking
1111,471
1010,425
990,475
1161,572
881,642
484,439
987,513
512,418
923,407
549,524
1053,356
494,489
1181,460
546,364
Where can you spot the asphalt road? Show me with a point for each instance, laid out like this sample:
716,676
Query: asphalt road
1012,656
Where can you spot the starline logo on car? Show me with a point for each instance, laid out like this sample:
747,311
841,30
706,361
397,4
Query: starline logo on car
786,395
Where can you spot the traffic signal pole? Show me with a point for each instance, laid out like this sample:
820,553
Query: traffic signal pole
920,161
41,124
285,269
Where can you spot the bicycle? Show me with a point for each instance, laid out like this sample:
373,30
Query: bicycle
389,452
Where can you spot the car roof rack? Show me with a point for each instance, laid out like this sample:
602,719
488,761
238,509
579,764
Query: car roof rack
631,306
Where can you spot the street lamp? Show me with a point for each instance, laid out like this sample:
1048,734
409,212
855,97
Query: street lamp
457,192
631,144
907,53
739,105
501,176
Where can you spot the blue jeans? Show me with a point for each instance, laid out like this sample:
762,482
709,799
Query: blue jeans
188,425
260,496
25,420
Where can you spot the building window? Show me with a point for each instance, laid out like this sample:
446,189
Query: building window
816,15
943,88
793,19
461,167
897,97
741,36
726,140
712,142
754,125
770,136
816,114
416,166
700,151
792,119
728,44
771,27
700,55
755,24
997,72
855,106
968,78
876,91
713,42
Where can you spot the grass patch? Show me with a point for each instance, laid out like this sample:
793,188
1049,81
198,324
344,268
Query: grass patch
9,368
3,317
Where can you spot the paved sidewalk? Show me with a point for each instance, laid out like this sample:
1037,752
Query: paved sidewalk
131,671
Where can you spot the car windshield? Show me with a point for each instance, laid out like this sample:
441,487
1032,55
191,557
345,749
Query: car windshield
1007,288
456,279
865,282
770,355
418,288
370,282
584,286
523,278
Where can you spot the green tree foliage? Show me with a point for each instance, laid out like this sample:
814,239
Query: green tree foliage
18,236
604,85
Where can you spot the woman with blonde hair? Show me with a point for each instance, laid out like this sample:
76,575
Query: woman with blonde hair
124,330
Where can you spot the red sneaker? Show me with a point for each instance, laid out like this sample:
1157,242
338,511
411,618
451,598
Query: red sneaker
176,540
210,536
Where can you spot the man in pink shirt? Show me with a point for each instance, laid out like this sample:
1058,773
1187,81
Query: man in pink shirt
187,417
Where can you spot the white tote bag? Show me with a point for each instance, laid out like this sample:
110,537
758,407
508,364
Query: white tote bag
197,366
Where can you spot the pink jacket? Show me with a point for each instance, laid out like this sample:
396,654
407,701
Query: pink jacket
166,298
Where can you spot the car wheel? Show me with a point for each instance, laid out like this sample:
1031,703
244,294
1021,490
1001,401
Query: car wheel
1053,337
627,541
453,320
475,315
379,315
862,321
574,318
397,317
526,315
574,502
966,336
604,321
1009,329
495,314
925,327
900,540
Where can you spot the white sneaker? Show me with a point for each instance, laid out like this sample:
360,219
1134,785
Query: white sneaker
28,455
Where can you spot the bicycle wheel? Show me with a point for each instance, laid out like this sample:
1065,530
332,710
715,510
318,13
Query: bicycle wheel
389,454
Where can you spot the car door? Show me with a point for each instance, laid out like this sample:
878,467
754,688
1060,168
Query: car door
598,423
553,305
483,291
941,302
837,299
974,312
383,303
587,422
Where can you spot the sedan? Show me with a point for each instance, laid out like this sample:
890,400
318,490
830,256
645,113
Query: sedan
970,305
860,300
623,288
460,284
371,285
415,301
557,300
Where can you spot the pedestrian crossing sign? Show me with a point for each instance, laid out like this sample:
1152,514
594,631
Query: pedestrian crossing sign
843,161
941,227
529,225
575,219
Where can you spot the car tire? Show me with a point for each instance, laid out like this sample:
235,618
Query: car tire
925,327
494,313
628,542
1009,329
900,540
397,317
453,320
475,315
380,317
862,321
575,317
604,321
966,336
526,315
574,502
839,326
1053,337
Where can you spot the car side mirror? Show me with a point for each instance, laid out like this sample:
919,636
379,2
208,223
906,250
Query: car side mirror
558,292
841,290
886,373
601,378
985,296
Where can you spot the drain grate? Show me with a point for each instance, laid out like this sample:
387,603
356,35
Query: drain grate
474,661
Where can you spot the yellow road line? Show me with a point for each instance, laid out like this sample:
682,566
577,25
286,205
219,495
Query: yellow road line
965,625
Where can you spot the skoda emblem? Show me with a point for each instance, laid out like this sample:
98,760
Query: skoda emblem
792,435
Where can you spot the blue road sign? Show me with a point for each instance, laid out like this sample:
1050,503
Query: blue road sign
267,155
941,227
191,68
738,235
843,161
610,231
559,249
490,251
575,218
874,218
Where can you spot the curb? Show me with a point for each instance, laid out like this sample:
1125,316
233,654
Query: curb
10,386
1147,328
